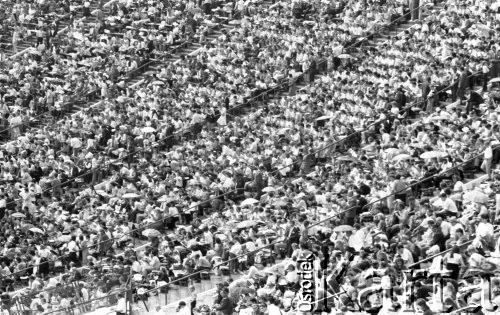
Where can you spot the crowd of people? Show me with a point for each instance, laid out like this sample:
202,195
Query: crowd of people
93,58
385,179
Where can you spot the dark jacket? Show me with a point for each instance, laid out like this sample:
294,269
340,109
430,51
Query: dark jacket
226,306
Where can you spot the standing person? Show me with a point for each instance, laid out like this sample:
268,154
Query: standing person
495,187
400,188
454,262
226,306
193,297
308,162
104,243
400,98
463,83
485,70
121,305
73,250
426,87
84,251
415,10
15,39
487,158
292,235
304,232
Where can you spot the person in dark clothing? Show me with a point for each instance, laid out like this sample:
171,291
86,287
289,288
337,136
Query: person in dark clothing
292,233
463,83
105,135
426,88
308,163
363,189
226,305
473,101
438,238
400,98
422,291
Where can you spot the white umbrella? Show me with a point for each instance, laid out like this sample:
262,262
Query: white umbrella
64,238
280,203
432,155
437,118
300,195
221,236
151,233
402,157
148,129
18,215
249,201
165,198
391,150
312,174
246,224
37,230
324,118
269,189
130,195
476,196
101,192
346,158
344,56
282,131
368,146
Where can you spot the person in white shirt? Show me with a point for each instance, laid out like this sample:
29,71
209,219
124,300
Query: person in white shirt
454,226
458,189
447,206
291,275
485,230
488,157
273,308
73,249
445,226
121,306
234,251
405,254
475,259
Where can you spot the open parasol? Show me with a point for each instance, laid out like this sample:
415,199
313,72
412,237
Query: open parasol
151,233
249,201
130,195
